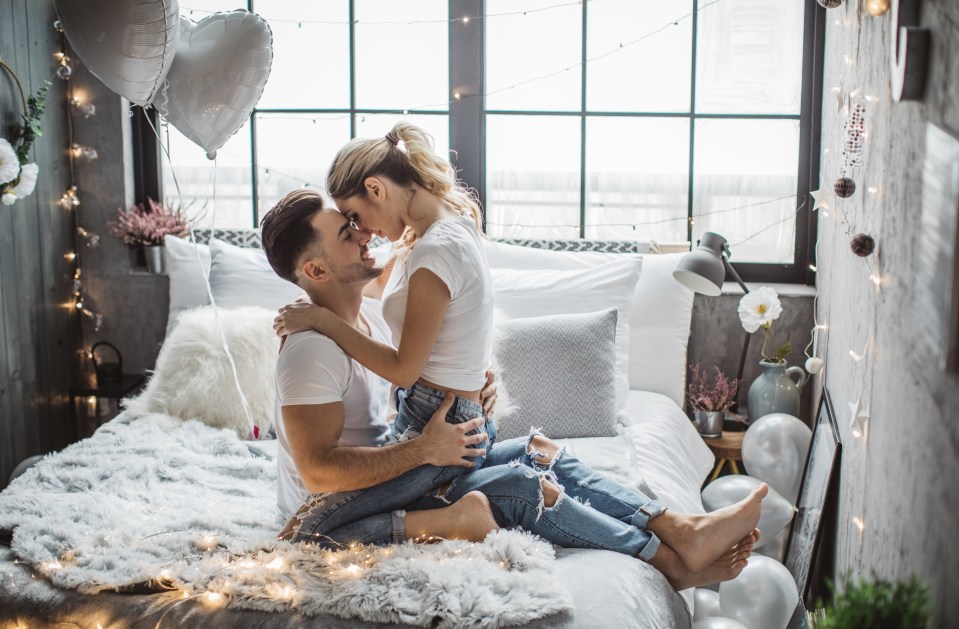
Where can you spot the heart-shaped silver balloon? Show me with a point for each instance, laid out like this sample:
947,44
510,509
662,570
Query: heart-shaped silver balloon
218,74
127,44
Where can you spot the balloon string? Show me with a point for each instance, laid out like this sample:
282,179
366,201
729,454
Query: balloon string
205,273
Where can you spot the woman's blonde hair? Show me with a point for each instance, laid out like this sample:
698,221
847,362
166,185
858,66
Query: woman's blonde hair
405,155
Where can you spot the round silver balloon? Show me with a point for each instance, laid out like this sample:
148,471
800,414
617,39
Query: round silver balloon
127,44
705,604
775,449
217,76
726,490
763,596
718,622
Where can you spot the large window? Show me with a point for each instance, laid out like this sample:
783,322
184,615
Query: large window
604,119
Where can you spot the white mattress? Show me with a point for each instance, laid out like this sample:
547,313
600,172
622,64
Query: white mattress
658,445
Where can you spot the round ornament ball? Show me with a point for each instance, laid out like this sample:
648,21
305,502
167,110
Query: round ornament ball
863,245
844,187
814,364
830,4
876,8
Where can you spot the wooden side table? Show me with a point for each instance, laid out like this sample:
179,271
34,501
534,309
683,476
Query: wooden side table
728,449
89,387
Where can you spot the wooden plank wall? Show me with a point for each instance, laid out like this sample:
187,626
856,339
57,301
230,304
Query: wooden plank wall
40,338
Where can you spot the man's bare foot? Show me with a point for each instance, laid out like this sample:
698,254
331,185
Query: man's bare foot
468,518
700,540
473,517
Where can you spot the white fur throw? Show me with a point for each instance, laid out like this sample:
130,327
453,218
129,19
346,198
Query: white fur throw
193,508
193,378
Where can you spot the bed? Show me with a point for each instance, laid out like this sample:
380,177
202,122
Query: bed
647,439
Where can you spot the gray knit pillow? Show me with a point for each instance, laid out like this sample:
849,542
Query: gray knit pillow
560,374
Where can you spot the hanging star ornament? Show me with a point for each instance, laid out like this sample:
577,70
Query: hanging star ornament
859,417
823,197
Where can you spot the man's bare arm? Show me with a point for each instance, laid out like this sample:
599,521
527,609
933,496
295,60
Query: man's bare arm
314,429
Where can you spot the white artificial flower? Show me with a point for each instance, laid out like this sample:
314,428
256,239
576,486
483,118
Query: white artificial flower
8,199
759,308
28,181
9,164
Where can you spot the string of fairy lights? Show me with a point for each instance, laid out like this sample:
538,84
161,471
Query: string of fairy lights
70,200
853,131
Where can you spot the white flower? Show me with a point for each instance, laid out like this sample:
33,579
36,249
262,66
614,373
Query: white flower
28,181
9,164
8,199
759,308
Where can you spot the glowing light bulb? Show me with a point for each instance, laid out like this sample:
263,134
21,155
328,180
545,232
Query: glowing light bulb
859,523
466,20
456,95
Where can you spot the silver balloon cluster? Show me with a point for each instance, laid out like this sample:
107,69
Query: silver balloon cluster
205,78
764,595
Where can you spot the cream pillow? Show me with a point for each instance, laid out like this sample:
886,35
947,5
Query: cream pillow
193,378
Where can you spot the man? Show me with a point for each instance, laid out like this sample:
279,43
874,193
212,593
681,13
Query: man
332,432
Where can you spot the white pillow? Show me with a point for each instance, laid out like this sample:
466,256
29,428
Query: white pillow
521,293
193,378
242,277
659,317
187,276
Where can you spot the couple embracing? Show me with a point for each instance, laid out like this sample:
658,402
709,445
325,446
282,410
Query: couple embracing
425,324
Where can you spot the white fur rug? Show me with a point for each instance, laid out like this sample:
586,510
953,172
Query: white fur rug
193,508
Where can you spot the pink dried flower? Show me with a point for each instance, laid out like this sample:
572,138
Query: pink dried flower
147,225
717,396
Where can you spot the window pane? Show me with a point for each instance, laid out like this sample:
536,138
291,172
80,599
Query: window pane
749,57
295,151
521,48
229,203
377,125
404,63
532,176
647,73
745,186
311,62
637,178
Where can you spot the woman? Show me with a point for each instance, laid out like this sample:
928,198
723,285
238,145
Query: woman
438,301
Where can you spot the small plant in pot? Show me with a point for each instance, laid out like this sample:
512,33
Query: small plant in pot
877,603
711,400
143,227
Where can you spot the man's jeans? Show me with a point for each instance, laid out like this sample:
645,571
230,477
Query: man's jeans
363,516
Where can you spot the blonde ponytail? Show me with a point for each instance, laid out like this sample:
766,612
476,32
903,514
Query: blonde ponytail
405,155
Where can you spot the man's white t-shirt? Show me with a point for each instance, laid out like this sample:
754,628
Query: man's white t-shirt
312,369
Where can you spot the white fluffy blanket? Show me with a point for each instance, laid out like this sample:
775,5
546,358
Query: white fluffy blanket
192,507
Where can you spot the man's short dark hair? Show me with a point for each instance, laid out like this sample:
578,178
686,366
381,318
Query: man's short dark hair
287,233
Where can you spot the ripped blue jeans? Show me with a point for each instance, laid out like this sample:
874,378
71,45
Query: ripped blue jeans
592,511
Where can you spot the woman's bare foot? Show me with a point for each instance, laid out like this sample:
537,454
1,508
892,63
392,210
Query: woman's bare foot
729,565
700,540
468,518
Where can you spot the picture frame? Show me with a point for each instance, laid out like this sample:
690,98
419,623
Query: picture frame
819,478
937,274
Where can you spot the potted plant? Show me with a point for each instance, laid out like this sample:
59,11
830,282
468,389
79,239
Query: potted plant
143,227
776,390
878,603
711,401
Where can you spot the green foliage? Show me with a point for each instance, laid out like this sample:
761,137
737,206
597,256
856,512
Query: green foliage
878,604
25,134
784,350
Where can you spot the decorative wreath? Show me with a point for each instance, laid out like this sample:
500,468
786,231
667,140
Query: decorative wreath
18,176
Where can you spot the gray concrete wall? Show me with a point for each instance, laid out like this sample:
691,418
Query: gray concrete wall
901,478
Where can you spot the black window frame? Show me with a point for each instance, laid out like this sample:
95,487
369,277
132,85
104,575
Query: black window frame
467,120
